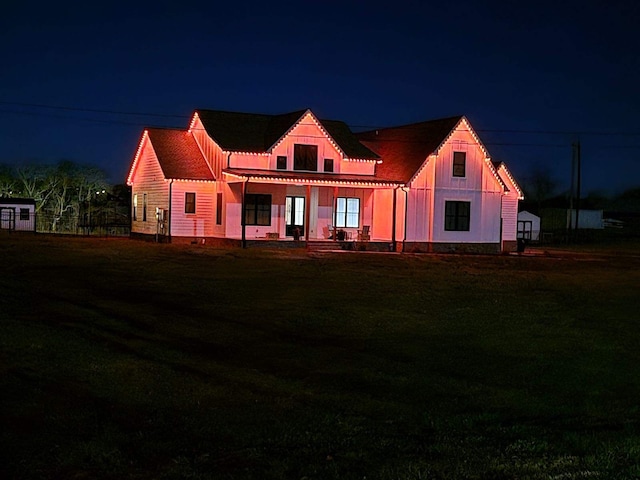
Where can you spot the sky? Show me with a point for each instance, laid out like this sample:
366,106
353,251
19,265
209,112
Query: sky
80,80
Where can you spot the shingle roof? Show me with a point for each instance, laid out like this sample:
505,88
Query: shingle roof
254,132
179,155
404,149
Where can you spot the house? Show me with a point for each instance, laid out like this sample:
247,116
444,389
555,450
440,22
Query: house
244,177
528,226
18,214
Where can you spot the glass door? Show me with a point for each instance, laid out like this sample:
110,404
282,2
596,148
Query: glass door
294,211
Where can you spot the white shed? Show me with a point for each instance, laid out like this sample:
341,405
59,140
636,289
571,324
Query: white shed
528,226
18,214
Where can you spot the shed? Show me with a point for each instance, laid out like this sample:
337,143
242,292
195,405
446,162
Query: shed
528,226
18,214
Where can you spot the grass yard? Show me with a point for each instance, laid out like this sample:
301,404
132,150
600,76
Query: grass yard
126,360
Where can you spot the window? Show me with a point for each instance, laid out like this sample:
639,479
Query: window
219,209
281,163
347,212
328,164
456,216
257,209
135,207
24,214
144,207
189,202
459,161
305,157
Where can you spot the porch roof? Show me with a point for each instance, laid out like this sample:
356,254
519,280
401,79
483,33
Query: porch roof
333,179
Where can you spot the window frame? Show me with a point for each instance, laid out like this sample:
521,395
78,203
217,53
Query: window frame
219,208
328,162
24,214
134,214
258,210
343,217
281,162
144,207
459,164
190,203
455,218
304,158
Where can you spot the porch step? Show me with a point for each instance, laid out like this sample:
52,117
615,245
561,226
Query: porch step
325,245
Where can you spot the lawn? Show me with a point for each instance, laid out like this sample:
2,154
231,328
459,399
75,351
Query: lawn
128,360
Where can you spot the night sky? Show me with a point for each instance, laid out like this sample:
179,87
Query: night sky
531,76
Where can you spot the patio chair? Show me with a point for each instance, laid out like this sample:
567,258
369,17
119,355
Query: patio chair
363,235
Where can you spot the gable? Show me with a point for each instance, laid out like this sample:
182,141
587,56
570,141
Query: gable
176,152
260,133
404,149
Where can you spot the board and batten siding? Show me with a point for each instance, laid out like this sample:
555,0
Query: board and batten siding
149,180
478,186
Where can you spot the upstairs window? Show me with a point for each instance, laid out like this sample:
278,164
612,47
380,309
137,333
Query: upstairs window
257,209
189,202
459,164
281,163
456,216
347,212
328,164
305,157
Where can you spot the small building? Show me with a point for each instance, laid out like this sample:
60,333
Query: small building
18,214
528,226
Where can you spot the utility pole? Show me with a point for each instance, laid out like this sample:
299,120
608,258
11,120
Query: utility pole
579,175
571,192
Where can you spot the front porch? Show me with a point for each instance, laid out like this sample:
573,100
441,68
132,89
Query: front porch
310,210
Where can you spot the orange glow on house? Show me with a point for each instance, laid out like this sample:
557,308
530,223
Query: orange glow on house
428,186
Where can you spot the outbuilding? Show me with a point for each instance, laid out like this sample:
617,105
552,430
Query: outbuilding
18,214
528,226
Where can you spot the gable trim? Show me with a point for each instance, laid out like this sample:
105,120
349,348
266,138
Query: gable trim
143,140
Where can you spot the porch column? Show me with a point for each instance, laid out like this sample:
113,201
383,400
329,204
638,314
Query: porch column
307,215
242,216
394,219
333,213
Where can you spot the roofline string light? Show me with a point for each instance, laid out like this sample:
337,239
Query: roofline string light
145,136
312,181
513,181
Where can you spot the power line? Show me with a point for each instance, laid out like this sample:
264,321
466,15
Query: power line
93,110
372,127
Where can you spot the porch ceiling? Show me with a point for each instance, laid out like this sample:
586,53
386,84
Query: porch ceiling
235,175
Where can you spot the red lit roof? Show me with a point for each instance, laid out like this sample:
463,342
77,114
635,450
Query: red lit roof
179,155
404,149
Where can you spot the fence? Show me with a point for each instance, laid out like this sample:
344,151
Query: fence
104,224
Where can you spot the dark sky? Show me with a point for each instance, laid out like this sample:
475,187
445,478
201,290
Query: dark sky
511,67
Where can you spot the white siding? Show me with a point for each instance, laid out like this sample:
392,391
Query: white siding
148,179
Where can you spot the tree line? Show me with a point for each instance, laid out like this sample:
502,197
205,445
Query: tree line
64,192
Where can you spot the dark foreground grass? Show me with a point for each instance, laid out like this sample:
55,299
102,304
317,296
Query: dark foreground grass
126,360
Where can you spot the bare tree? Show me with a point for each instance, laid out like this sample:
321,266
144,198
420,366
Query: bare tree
7,181
37,182
540,184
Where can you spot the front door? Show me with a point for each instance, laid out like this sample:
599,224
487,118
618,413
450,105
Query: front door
294,215
7,218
